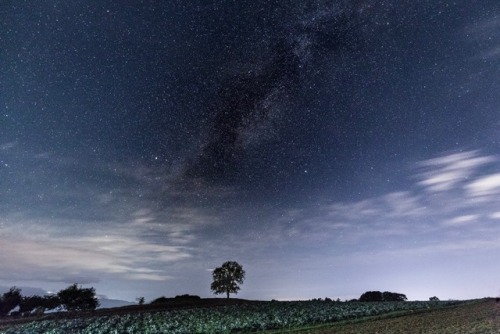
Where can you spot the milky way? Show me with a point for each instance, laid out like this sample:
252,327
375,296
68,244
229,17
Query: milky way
255,105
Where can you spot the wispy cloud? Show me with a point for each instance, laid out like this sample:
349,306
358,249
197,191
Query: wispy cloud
461,220
83,221
485,186
492,53
495,215
52,259
485,34
7,146
454,186
447,172
143,229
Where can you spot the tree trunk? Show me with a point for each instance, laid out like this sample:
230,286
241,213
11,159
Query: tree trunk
227,294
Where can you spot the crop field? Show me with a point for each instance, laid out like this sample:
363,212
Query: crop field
255,317
478,317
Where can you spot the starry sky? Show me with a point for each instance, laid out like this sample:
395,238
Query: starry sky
330,147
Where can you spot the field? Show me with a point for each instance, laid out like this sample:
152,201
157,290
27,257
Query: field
314,317
480,317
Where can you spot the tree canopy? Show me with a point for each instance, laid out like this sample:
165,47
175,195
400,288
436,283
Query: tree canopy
75,298
227,277
377,296
9,300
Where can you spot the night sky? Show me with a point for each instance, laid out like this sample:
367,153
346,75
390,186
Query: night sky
330,147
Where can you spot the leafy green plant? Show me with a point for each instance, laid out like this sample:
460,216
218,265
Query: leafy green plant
224,320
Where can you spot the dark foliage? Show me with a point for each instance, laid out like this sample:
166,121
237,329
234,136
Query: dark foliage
434,299
9,300
76,298
37,304
371,296
177,300
377,296
227,277
51,302
160,300
28,304
393,297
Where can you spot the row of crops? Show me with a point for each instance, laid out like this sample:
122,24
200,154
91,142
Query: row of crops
225,319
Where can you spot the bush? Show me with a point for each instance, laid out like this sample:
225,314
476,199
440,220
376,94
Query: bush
9,300
28,304
76,298
371,296
377,296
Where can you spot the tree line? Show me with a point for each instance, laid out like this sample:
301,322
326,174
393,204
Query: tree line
226,280
73,298
377,296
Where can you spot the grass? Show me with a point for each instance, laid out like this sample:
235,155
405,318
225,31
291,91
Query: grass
478,317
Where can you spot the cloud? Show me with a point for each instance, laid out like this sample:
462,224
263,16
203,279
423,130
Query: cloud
485,186
492,53
172,225
412,214
433,250
461,220
403,204
8,146
83,260
495,215
484,34
86,259
132,224
447,172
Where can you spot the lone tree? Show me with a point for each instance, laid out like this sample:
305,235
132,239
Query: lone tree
227,277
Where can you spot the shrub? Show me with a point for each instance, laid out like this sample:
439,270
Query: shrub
76,298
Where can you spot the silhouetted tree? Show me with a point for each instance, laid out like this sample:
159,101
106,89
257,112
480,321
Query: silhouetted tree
227,277
434,299
371,296
160,300
393,297
9,300
51,302
377,296
38,304
76,298
28,304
